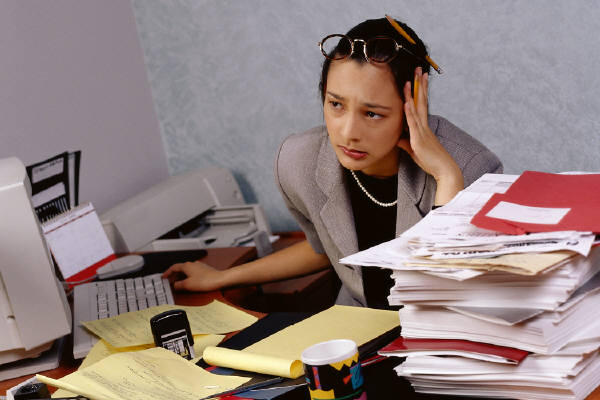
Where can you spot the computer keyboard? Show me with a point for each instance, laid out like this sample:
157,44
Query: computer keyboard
110,298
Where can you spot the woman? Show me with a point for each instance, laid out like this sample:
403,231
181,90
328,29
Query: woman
377,167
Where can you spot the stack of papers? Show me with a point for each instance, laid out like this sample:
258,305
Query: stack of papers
534,288
536,378
544,291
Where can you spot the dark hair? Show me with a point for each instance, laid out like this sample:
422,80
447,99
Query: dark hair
402,67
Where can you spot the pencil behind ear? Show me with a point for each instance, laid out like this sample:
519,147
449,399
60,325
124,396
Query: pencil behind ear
415,90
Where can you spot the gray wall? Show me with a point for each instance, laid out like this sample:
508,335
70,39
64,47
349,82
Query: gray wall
72,77
232,78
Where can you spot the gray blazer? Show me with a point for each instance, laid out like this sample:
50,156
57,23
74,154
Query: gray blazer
311,182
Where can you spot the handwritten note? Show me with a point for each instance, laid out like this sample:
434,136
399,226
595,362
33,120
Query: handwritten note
528,214
152,374
133,328
102,349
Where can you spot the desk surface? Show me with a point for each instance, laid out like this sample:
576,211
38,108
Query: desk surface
220,258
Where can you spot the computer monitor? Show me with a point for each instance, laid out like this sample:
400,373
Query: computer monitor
33,307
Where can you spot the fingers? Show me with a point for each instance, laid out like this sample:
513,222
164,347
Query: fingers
193,276
178,275
172,270
416,105
181,285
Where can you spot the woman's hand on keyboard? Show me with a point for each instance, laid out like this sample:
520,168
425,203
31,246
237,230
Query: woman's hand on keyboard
194,276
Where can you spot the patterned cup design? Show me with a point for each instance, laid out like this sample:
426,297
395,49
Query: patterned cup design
333,371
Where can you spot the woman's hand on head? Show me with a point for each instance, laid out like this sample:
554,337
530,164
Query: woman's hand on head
424,147
422,144
194,276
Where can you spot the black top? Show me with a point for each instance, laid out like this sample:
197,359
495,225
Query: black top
374,225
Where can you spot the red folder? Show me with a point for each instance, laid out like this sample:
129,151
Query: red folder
403,346
579,193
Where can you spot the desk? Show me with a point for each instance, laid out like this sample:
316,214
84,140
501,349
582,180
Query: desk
219,258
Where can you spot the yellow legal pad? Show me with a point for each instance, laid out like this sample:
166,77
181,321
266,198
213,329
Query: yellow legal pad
102,349
279,354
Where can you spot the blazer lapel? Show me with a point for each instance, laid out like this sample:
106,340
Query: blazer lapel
336,213
412,184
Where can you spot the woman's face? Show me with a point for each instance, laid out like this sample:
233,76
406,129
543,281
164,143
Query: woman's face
364,114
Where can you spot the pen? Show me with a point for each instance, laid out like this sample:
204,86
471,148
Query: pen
241,389
372,360
411,41
416,91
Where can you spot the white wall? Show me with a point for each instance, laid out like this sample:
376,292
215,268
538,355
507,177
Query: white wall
72,77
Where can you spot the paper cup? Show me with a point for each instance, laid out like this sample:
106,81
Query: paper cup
333,370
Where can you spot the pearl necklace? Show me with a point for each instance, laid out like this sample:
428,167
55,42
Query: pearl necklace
373,199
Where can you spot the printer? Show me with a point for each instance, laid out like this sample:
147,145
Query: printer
194,210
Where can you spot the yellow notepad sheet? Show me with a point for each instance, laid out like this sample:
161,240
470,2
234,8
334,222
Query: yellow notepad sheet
102,349
245,361
133,328
152,374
